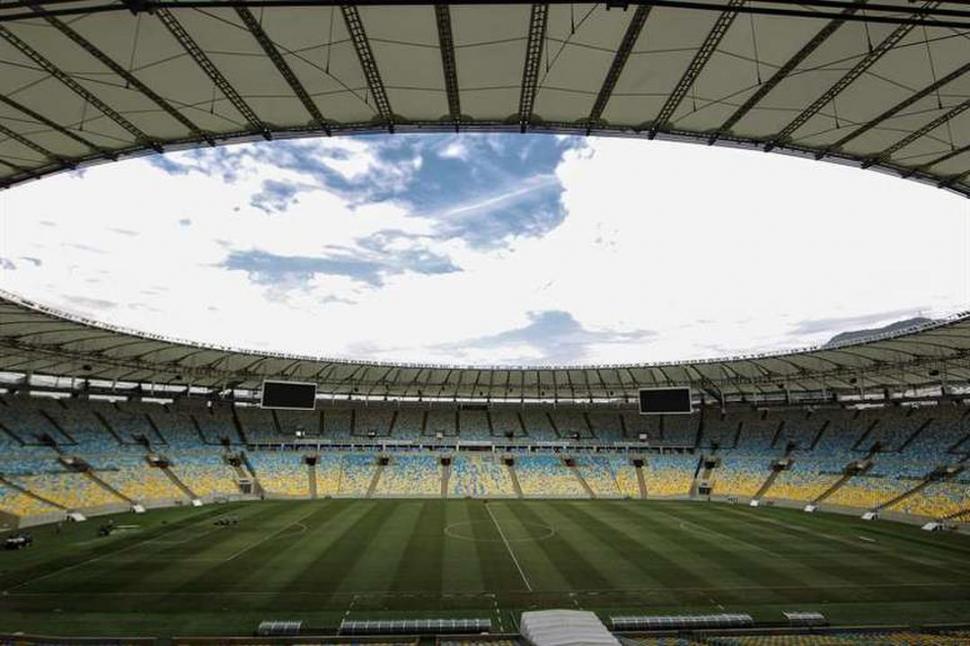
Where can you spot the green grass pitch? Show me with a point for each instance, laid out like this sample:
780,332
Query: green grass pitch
175,572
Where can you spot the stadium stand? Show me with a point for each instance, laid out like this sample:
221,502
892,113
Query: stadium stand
479,476
742,474
868,492
410,475
374,421
114,438
282,473
15,502
938,500
546,475
473,425
600,474
669,474
356,474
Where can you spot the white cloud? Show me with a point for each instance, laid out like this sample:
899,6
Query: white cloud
716,250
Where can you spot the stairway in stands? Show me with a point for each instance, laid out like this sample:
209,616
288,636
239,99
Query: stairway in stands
571,465
376,479
30,494
445,476
311,471
167,470
111,490
777,467
641,480
940,475
510,466
851,470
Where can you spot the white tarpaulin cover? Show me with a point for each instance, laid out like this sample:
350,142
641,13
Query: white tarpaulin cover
565,628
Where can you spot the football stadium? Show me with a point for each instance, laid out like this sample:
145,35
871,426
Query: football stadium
158,489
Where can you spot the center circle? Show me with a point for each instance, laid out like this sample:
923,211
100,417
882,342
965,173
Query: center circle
466,532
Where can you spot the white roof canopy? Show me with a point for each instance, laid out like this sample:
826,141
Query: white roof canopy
37,340
881,85
565,628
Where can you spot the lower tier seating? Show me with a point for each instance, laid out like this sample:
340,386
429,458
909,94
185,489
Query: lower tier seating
546,475
411,475
479,476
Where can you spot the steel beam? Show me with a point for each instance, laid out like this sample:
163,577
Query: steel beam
269,47
446,43
39,118
205,63
37,148
538,21
867,61
917,134
782,72
697,64
77,88
355,27
899,107
619,61
129,78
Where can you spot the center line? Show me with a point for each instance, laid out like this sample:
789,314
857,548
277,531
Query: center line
508,547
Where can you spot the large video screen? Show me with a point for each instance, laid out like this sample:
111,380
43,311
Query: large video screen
289,394
665,401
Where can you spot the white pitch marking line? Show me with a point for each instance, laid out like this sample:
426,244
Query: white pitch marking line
99,557
509,548
269,536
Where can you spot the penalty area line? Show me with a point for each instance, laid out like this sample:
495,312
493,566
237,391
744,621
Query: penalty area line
508,547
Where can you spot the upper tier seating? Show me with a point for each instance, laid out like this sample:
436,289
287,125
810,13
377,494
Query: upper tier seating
374,420
537,425
473,425
758,430
337,423
408,423
444,422
506,421
571,424
606,426
645,425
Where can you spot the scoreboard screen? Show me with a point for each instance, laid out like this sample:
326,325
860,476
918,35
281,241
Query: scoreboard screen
665,401
289,394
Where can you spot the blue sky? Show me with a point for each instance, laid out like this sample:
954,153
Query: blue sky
488,249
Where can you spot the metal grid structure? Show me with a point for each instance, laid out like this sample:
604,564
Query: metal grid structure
415,626
35,340
879,84
681,622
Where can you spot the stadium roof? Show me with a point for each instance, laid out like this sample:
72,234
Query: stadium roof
41,341
880,84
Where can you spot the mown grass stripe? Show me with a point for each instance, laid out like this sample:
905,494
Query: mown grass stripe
420,564
569,559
